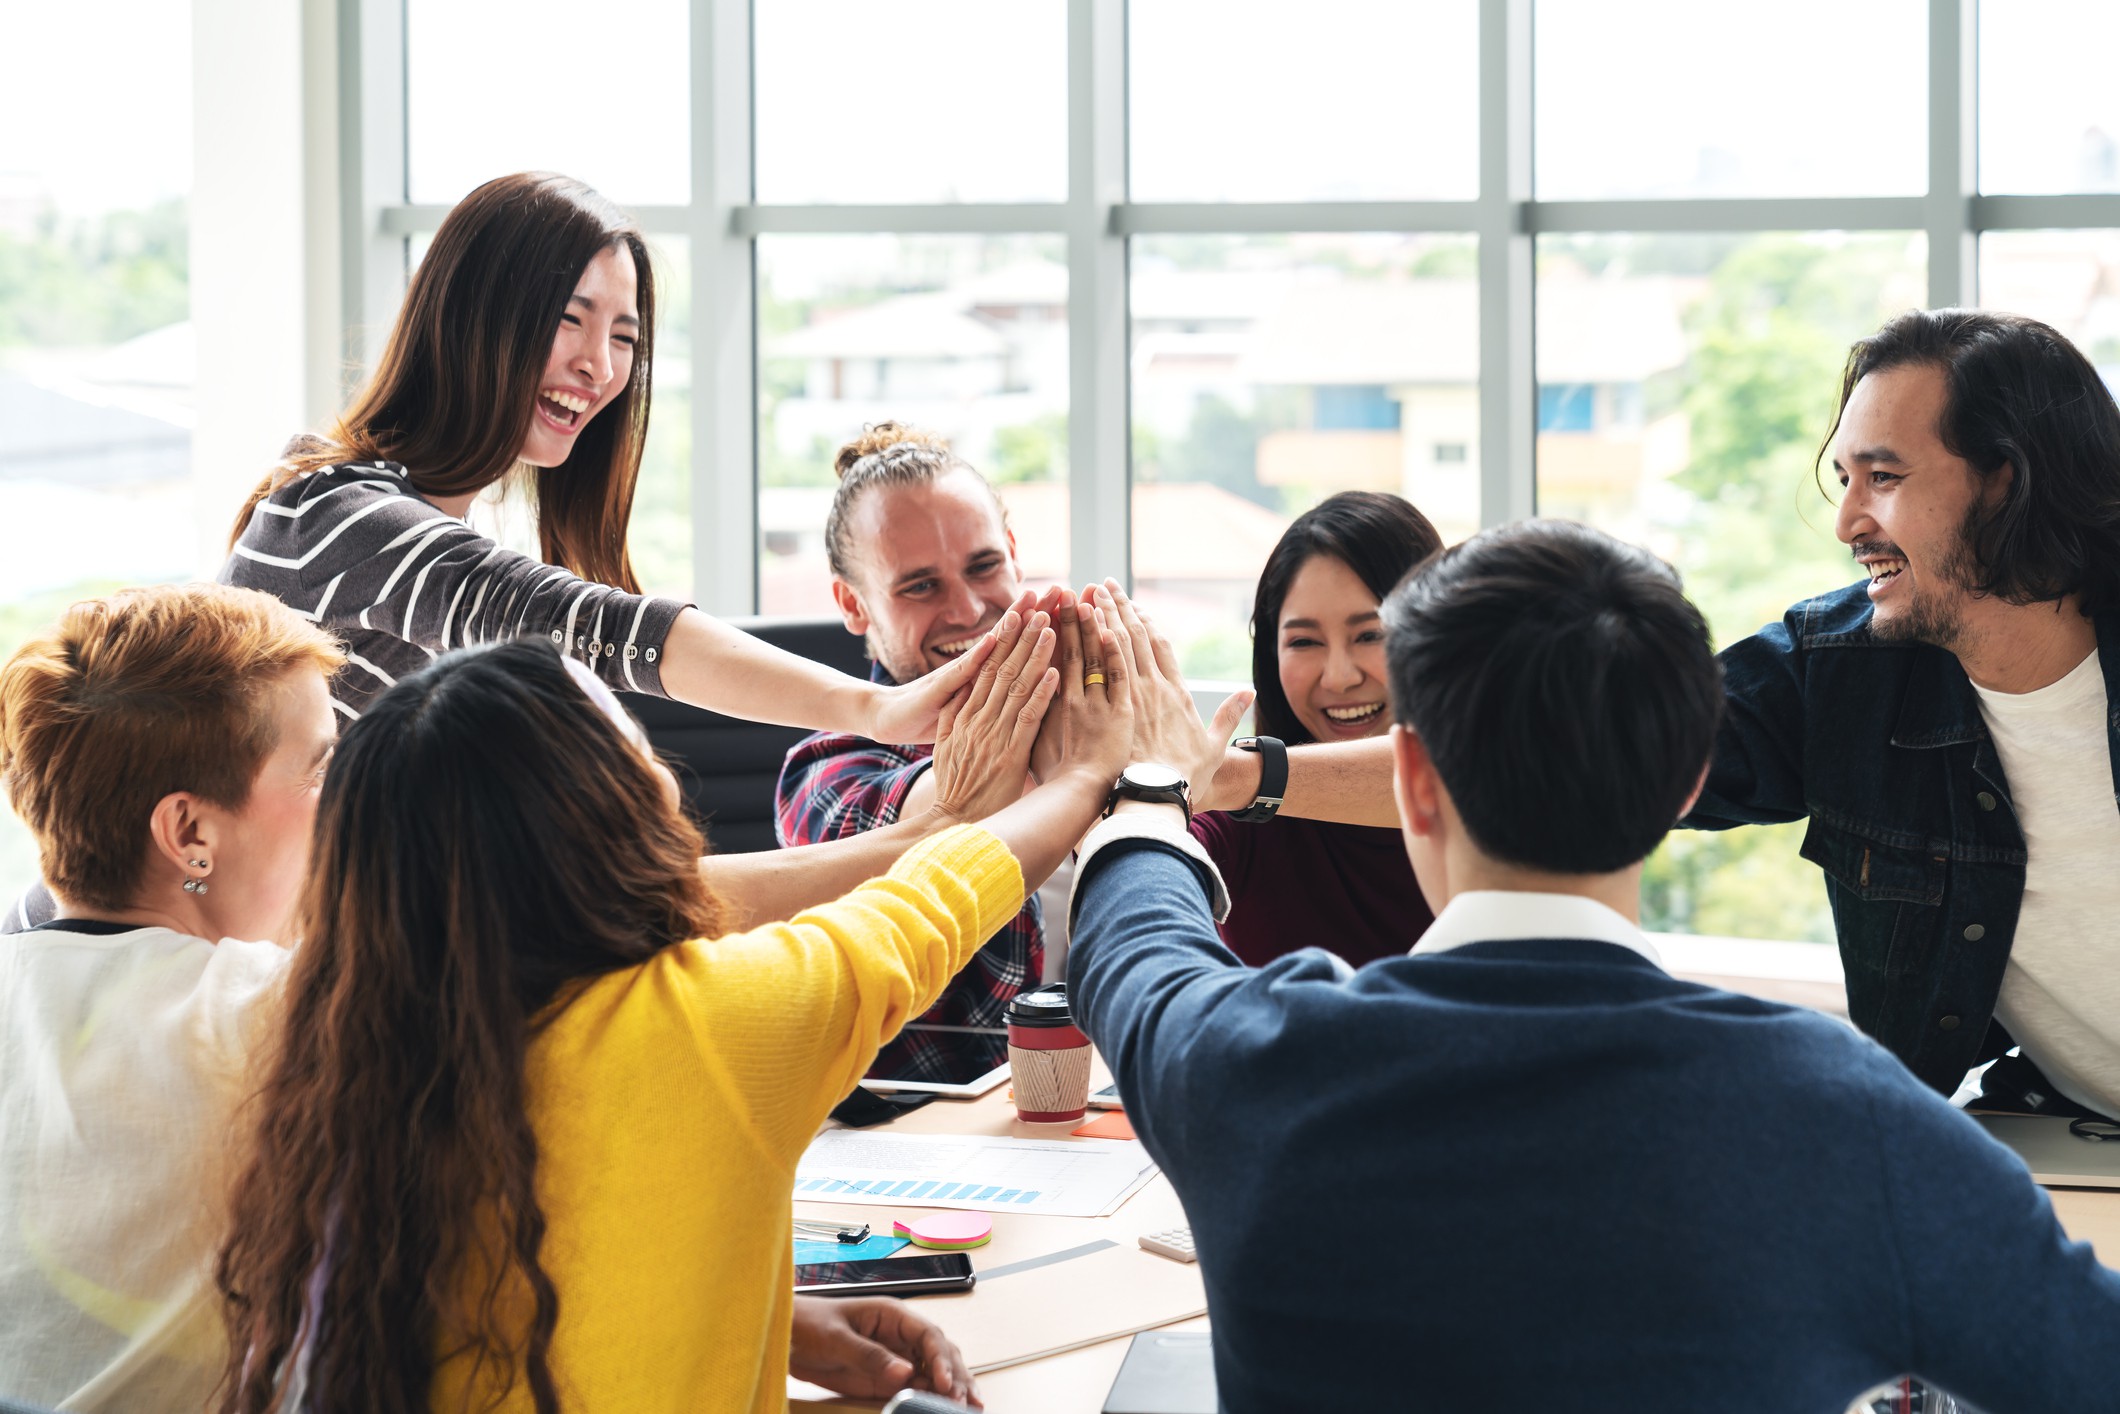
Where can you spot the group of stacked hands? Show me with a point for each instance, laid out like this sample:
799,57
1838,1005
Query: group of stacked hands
515,1124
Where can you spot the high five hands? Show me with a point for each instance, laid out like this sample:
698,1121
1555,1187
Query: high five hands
1167,726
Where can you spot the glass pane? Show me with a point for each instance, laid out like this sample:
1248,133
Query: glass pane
2070,279
2049,114
1649,98
542,86
935,100
661,534
96,352
1337,100
1686,383
1269,373
965,336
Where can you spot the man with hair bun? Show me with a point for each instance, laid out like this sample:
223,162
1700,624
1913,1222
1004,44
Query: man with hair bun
923,562
1951,726
1524,1163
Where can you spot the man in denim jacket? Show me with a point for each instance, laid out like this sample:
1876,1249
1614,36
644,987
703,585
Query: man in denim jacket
1950,726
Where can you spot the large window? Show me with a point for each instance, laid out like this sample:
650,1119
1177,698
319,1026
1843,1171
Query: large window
1172,270
1167,270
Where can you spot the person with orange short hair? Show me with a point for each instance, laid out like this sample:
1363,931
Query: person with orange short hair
166,747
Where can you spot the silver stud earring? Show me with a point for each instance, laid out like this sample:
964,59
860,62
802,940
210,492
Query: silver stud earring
195,886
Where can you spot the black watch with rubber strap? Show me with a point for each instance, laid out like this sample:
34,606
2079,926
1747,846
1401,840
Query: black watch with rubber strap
1273,778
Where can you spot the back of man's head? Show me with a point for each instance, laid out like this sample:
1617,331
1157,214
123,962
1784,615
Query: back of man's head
1564,688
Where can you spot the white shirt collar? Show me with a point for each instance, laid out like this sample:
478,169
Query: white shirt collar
1489,915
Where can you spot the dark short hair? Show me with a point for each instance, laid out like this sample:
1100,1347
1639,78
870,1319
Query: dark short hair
1564,687
2022,396
1378,536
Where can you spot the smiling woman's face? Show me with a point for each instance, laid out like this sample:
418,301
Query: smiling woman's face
592,357
1332,652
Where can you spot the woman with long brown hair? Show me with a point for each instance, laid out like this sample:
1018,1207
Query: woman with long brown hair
526,339
532,1134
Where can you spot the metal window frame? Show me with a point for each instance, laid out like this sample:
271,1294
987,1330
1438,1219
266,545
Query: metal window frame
724,222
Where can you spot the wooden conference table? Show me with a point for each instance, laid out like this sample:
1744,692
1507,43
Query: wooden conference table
1076,1381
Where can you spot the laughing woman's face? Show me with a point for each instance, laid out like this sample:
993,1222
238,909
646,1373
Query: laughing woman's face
1332,652
592,357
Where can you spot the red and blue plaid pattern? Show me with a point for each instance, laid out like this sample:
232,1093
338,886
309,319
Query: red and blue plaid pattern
835,785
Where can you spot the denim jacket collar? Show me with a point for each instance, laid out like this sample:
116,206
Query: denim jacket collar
1939,706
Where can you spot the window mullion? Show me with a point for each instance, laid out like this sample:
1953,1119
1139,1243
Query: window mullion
1099,436
724,464
371,64
1508,387
1953,52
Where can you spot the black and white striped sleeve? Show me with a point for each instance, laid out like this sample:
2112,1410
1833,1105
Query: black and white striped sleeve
351,548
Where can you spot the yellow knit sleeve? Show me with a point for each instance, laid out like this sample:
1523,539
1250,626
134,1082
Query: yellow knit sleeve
796,1011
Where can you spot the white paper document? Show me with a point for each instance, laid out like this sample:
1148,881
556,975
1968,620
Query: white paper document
1073,1178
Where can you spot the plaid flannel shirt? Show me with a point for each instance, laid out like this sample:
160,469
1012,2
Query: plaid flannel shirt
835,785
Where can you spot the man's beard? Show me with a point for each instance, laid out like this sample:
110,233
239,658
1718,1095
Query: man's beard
1936,615
896,667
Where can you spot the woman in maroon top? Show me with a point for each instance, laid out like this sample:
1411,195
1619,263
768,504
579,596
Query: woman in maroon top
1317,662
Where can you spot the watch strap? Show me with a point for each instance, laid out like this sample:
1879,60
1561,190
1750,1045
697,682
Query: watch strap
1179,795
1148,826
1273,778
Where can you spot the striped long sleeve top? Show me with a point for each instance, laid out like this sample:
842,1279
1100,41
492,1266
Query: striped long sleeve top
400,581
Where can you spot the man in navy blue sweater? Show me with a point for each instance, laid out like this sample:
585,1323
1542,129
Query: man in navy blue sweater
1525,1166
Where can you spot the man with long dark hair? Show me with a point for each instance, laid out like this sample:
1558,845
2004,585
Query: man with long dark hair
1948,726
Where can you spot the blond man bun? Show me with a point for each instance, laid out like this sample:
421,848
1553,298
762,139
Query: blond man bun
881,437
886,454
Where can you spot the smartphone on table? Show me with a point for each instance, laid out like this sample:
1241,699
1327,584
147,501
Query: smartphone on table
886,1276
1107,1098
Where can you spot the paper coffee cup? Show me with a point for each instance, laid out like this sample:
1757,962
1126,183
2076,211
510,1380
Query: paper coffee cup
1048,1057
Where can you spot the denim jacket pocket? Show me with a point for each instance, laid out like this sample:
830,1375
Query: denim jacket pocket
1873,870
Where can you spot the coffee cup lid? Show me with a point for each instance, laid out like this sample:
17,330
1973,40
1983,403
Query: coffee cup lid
1045,1007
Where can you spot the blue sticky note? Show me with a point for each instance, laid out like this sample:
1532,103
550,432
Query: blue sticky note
879,1245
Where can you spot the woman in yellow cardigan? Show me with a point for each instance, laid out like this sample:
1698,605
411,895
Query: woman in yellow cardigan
531,1135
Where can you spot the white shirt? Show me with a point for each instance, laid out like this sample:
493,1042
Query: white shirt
122,1061
2061,992
1493,916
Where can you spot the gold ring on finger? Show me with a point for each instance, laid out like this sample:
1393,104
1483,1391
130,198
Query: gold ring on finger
1093,680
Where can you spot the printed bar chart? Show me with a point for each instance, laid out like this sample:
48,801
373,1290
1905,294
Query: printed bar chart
1065,1177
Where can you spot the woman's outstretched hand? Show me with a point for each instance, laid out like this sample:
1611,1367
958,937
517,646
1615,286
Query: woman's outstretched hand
871,1347
1167,726
912,712
984,737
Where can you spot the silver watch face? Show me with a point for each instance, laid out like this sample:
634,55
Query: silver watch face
1151,775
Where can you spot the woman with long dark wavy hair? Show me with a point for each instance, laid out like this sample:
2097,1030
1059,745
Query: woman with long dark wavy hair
526,339
531,1137
1317,664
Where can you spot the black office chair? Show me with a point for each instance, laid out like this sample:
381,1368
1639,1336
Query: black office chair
728,767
